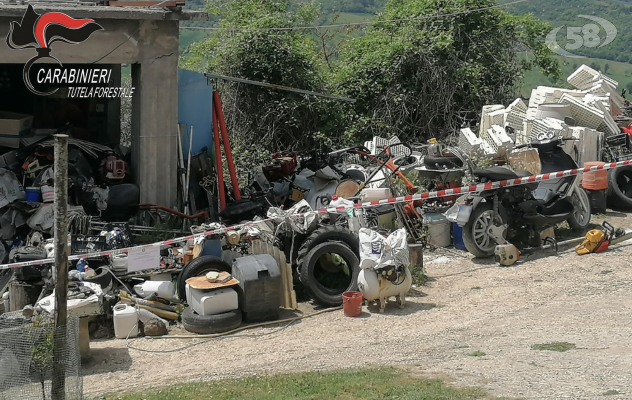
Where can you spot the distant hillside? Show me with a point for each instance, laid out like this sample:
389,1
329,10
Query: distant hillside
617,55
562,13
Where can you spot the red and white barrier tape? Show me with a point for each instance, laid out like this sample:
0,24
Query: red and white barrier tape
403,199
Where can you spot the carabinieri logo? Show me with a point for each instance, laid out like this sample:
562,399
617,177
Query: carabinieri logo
40,31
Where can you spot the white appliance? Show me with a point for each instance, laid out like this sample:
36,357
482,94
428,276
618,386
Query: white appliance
212,301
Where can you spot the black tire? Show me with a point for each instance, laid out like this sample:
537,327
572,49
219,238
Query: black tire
328,233
580,220
474,246
312,274
198,267
205,324
103,278
436,162
619,193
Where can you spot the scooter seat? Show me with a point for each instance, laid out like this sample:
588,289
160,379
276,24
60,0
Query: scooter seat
545,195
499,173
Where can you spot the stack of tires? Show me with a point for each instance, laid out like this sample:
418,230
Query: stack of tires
206,324
328,264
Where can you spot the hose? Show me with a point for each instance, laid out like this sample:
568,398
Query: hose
242,328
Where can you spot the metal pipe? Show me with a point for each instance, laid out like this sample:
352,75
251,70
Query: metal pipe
174,212
229,154
218,160
280,87
58,390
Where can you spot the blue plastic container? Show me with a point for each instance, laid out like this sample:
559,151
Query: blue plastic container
33,194
458,236
212,247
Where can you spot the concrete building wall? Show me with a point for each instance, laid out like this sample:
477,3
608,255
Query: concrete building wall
150,44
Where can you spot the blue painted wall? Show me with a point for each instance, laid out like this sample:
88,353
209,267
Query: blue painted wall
195,97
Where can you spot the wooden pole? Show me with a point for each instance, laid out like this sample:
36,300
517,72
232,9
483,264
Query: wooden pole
58,391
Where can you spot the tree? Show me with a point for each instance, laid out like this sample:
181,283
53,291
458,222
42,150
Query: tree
595,66
606,68
260,119
424,77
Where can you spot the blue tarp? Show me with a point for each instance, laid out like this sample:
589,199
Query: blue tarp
195,97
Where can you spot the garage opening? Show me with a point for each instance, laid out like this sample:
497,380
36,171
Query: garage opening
100,158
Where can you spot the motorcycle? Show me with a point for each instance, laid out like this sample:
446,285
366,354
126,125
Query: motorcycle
523,214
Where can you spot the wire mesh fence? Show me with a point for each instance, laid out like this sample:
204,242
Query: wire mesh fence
27,357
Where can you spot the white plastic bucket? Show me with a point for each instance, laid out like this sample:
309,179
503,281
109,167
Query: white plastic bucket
438,230
48,194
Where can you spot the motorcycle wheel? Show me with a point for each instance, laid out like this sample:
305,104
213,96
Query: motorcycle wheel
580,219
475,237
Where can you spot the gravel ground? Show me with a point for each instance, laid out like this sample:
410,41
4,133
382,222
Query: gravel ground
469,305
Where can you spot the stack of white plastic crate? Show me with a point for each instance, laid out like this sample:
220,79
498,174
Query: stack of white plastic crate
377,145
592,106
491,115
469,143
547,128
585,78
587,147
515,116
498,139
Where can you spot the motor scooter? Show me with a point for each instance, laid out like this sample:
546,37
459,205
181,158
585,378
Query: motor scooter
524,214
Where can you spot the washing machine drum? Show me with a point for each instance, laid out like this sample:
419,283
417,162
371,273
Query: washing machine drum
356,172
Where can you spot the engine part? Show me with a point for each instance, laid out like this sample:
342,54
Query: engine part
506,254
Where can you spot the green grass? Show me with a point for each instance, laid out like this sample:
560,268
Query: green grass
477,353
554,346
378,383
476,288
611,393
606,272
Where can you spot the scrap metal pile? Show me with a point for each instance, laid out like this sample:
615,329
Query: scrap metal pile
326,223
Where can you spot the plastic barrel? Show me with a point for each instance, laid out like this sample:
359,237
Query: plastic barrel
458,236
33,194
352,304
596,180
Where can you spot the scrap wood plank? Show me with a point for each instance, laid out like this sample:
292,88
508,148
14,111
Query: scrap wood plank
289,296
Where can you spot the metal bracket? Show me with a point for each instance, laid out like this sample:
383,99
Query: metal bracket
498,233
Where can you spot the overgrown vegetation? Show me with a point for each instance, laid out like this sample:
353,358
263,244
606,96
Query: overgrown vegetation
415,78
379,383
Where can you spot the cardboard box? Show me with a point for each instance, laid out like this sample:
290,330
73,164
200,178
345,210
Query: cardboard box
14,126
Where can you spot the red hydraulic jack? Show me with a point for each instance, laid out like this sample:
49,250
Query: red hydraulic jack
219,125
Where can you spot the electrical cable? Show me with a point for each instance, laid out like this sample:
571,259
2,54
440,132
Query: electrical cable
121,44
296,28
289,321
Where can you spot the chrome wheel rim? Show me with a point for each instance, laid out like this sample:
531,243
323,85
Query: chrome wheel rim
482,238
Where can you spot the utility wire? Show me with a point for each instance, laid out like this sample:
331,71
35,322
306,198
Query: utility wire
297,28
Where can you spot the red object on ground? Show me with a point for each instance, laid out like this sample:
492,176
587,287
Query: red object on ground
352,304
229,155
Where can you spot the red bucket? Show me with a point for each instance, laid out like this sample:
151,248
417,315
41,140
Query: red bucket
352,304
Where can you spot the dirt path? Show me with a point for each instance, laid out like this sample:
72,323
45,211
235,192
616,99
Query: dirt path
468,306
